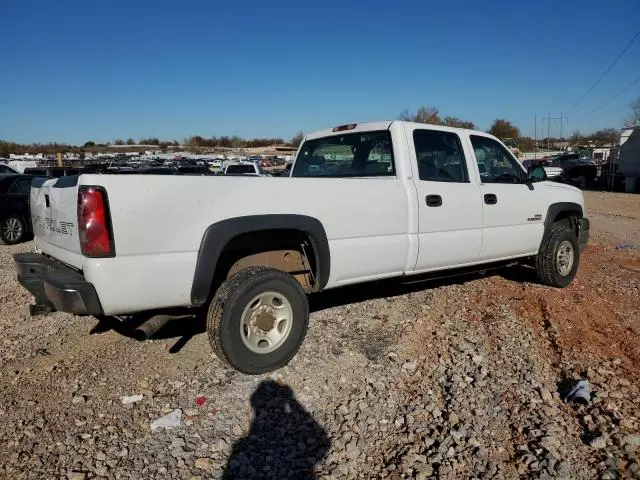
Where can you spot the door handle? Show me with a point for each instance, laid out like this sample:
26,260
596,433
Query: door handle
490,198
434,200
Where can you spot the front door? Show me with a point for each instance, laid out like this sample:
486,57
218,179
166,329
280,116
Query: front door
450,212
511,216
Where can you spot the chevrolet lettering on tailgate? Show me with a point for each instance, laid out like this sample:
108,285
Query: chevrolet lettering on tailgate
52,225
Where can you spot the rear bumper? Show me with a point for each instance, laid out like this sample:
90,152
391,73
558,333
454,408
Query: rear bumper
55,285
583,232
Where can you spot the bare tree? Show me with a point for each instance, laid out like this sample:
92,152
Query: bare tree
576,138
634,119
423,115
456,122
297,139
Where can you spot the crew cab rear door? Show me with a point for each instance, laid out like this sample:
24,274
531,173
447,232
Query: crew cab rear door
449,208
54,218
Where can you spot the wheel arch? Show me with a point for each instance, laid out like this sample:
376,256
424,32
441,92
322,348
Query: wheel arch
559,211
219,235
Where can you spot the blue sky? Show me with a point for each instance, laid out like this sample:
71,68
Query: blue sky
83,70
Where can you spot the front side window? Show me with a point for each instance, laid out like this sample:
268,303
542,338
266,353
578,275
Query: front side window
440,157
496,164
367,154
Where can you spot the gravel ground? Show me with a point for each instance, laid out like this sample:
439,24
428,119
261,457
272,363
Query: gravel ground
441,379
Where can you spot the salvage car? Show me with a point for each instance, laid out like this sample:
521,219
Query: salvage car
576,170
363,202
15,221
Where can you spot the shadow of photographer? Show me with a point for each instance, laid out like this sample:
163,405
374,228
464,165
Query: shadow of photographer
284,441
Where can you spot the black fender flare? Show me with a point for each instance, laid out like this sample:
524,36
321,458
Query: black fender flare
554,210
217,235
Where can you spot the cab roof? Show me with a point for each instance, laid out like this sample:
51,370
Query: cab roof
383,125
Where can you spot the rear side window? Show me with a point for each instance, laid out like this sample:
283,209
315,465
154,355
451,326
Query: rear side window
440,156
368,154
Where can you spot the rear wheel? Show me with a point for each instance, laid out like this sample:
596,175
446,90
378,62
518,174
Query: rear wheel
258,319
12,230
557,261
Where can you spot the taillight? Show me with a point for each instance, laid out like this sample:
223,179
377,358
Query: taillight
94,223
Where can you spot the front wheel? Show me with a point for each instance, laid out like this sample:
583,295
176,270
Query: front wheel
12,230
257,320
557,261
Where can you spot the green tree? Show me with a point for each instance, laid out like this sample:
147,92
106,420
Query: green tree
456,122
118,141
90,143
296,140
504,129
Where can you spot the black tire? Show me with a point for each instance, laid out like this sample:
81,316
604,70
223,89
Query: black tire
224,319
8,226
547,265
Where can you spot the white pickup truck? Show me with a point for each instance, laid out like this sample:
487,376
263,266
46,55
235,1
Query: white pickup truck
363,202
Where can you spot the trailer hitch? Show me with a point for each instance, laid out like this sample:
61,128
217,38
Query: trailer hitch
40,309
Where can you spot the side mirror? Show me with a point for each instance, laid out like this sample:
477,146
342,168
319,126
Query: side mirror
538,174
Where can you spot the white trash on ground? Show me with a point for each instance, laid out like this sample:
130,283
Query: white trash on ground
170,420
579,392
131,399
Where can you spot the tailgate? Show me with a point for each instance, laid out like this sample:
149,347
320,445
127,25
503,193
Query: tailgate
54,216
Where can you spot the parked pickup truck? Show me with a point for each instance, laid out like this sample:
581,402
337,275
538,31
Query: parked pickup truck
242,168
363,202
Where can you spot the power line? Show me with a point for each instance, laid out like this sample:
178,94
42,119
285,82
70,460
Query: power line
617,110
604,74
615,96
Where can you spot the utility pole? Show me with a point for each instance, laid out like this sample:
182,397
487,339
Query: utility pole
563,117
535,136
548,118
548,130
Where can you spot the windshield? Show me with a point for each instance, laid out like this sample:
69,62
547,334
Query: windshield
367,154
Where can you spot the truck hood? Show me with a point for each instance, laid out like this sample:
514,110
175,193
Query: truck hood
554,192
564,186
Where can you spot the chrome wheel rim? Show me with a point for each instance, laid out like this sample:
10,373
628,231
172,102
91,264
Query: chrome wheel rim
564,258
266,322
12,229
